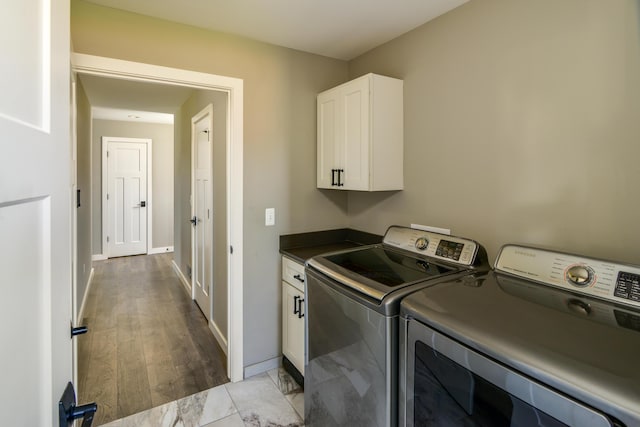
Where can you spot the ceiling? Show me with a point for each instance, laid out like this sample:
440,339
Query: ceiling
342,29
124,100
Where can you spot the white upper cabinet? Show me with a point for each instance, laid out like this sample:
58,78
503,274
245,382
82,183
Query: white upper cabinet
360,135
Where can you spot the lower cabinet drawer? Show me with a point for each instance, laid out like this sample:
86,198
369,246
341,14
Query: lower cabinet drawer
293,273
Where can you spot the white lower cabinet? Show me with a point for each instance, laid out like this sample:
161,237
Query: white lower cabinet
293,309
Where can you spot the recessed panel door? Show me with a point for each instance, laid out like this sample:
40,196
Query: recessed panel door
202,218
328,123
35,211
356,130
127,198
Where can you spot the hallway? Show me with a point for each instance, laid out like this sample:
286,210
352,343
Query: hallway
148,343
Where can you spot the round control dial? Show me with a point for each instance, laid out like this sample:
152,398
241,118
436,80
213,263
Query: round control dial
579,275
422,243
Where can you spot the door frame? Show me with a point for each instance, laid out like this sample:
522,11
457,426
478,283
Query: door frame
105,140
74,221
234,87
206,111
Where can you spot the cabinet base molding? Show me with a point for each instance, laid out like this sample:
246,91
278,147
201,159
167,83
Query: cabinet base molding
293,371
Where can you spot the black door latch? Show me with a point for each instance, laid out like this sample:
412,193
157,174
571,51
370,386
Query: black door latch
69,412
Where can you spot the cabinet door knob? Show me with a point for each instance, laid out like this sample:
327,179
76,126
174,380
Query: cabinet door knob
300,313
333,177
340,183
298,278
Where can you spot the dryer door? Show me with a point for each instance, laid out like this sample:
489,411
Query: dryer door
450,384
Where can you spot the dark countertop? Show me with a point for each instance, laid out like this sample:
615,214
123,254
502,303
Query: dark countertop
303,246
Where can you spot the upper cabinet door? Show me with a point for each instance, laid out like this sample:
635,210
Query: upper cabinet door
354,158
328,104
360,135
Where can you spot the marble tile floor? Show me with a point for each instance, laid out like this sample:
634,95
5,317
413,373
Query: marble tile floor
270,399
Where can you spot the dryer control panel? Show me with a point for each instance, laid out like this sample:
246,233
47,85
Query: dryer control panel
598,278
440,246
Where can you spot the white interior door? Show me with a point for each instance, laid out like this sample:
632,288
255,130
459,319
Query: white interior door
126,197
202,209
35,217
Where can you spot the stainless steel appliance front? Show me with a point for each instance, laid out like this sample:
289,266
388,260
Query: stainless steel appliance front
352,312
542,340
452,385
351,371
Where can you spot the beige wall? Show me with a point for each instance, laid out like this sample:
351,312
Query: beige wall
280,86
521,125
83,156
192,106
161,136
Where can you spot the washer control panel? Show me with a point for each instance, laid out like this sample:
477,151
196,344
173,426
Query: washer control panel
598,278
450,248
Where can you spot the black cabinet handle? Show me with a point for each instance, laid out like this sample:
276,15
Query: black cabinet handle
295,305
300,313
340,183
298,278
333,177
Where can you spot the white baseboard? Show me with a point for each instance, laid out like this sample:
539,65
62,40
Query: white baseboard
259,368
183,279
86,292
219,337
99,257
160,250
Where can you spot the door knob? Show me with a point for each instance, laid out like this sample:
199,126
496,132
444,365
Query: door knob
78,330
68,411
194,220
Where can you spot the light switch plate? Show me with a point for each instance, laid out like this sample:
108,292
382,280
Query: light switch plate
270,216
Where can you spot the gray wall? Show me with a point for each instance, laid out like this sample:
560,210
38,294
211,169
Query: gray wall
280,86
83,155
182,255
521,125
162,176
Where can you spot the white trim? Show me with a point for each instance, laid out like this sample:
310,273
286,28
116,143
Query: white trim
116,68
99,257
73,131
84,298
218,336
183,279
259,368
106,140
160,250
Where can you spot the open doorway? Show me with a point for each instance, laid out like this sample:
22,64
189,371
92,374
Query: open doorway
232,91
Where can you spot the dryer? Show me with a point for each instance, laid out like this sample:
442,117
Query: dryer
546,339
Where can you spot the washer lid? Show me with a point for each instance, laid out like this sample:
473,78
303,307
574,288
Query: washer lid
376,271
584,347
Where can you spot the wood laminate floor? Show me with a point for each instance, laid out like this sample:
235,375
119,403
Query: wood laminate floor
148,342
